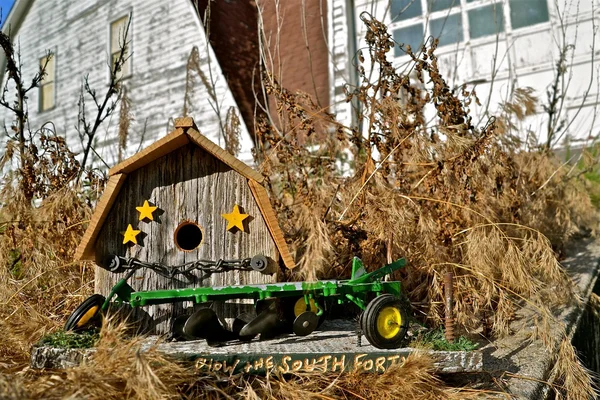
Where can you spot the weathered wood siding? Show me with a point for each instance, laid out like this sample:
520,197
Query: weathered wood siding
162,33
186,185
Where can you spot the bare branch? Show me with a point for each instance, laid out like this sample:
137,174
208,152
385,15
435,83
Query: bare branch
107,106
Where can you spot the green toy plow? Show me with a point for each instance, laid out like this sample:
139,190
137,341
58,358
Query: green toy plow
383,321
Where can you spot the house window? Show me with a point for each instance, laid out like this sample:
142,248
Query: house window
411,35
414,20
47,84
485,21
447,29
120,34
439,5
530,12
405,9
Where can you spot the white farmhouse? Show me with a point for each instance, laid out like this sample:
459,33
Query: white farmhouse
83,36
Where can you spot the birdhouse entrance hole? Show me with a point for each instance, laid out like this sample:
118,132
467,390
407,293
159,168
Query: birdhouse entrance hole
188,236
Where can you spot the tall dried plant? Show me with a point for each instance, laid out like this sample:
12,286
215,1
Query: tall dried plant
125,118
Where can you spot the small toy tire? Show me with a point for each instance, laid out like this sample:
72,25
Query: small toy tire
385,322
297,307
305,323
85,316
300,306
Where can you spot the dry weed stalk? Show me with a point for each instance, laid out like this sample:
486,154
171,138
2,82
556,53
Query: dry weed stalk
232,132
125,118
573,382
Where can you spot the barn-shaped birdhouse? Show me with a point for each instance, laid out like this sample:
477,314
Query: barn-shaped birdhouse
180,201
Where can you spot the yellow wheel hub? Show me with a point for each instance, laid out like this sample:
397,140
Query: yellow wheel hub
300,306
389,322
87,316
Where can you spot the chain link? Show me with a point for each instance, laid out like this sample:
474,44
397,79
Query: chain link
117,264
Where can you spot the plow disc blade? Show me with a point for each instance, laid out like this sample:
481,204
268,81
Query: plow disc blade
265,323
240,322
205,324
178,324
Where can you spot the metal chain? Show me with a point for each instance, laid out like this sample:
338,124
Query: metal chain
118,263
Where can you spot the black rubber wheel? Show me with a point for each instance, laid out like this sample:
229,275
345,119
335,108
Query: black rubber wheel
86,315
385,322
305,323
296,306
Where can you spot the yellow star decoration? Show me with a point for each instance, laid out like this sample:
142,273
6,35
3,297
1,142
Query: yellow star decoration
146,211
235,219
130,235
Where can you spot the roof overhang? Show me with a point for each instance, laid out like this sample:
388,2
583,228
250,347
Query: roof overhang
11,27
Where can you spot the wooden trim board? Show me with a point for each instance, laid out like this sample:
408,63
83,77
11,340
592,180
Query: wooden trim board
262,199
85,250
238,166
162,147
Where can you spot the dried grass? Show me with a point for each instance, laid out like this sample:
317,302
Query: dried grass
39,285
120,369
574,381
412,379
449,197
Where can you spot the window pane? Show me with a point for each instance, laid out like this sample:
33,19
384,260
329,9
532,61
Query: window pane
125,68
486,21
405,9
117,30
437,5
411,35
528,12
448,29
49,76
47,93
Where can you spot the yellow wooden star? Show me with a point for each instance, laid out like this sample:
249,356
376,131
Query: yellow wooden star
146,211
130,235
235,219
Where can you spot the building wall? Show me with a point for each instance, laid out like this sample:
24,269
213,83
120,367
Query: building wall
495,64
233,34
296,40
162,37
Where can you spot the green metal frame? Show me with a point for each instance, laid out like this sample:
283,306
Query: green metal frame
352,290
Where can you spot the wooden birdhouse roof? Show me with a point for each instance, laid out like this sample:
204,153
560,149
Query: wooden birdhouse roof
185,132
